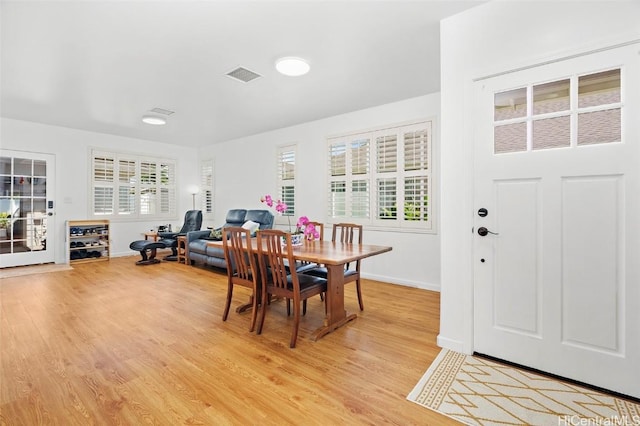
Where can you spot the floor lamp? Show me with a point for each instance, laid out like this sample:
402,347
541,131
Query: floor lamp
193,190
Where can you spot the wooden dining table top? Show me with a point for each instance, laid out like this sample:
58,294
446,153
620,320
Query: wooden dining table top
327,252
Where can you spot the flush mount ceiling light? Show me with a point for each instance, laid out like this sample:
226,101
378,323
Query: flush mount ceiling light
292,66
154,119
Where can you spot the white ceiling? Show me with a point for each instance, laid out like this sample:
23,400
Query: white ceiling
100,65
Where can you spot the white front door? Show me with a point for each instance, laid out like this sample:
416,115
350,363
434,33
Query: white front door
27,228
557,161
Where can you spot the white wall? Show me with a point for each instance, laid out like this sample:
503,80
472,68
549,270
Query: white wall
72,149
492,38
245,170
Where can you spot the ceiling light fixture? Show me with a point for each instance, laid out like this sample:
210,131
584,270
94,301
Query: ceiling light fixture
154,120
292,66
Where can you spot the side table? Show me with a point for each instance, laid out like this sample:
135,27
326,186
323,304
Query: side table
182,249
151,234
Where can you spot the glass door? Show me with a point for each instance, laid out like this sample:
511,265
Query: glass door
26,213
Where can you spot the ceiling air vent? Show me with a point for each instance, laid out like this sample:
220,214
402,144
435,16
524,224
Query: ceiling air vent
242,74
162,111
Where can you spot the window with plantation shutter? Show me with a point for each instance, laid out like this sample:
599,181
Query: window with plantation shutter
382,177
125,185
103,168
286,158
349,167
387,153
148,201
103,200
387,201
416,201
338,199
416,178
206,184
167,188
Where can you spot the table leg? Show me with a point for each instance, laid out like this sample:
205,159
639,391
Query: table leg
336,314
246,306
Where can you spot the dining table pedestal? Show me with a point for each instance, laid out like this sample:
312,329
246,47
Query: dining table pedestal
336,315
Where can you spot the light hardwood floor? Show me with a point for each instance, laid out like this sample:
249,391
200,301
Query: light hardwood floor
111,343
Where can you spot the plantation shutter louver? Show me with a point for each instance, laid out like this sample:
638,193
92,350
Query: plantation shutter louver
286,178
206,181
167,185
338,185
360,180
126,187
148,190
386,162
416,184
103,187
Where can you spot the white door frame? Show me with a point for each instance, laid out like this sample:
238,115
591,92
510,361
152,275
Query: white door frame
39,256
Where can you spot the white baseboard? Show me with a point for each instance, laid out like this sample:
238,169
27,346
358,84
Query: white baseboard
125,253
451,344
407,283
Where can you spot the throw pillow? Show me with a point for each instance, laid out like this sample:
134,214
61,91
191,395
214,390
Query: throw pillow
216,234
251,226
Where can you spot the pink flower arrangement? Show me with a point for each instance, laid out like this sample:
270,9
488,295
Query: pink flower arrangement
303,226
281,206
308,229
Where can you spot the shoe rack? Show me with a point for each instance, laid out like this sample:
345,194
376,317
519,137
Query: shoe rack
87,240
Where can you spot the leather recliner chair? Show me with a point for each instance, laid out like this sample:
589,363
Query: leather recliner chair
192,222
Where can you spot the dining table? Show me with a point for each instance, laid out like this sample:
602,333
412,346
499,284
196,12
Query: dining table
334,256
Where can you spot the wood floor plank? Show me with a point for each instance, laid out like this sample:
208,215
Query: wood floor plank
112,343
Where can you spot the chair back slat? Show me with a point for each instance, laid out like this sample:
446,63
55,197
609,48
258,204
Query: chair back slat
347,233
275,257
238,252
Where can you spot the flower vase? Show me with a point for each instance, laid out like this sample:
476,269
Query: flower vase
296,240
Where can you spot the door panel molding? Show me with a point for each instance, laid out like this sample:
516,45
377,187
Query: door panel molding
592,216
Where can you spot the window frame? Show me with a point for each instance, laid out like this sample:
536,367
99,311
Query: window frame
207,183
290,150
395,173
162,183
572,112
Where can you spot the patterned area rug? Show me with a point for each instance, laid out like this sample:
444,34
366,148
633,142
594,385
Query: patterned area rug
476,391
18,271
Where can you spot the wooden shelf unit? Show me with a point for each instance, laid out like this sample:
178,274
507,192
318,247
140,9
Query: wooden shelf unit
87,241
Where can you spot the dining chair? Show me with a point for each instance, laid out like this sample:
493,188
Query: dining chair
277,280
344,233
242,268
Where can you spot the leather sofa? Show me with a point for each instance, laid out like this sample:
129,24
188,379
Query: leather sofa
200,252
